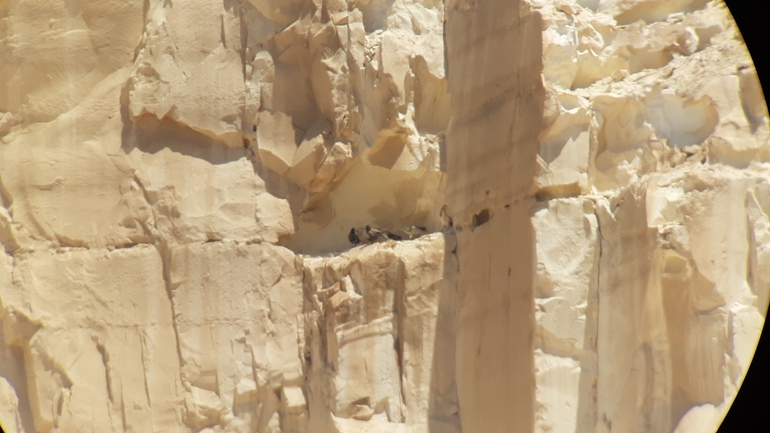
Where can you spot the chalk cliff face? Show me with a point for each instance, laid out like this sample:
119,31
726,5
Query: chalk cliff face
577,194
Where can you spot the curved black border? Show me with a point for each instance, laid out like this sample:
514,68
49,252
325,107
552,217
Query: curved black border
748,412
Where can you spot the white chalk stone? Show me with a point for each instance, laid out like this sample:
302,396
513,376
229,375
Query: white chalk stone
576,195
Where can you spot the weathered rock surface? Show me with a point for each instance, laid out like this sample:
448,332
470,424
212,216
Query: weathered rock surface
651,182
579,193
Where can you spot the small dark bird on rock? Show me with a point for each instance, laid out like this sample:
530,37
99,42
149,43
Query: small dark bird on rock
353,237
388,235
376,235
369,234
358,235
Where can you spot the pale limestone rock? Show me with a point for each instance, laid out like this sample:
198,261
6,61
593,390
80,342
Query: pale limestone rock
204,408
627,11
636,105
558,379
75,188
565,149
685,299
10,417
566,314
194,200
12,378
701,418
7,121
258,293
98,346
309,155
54,54
275,141
759,237
732,141
665,324
178,180
181,68
381,308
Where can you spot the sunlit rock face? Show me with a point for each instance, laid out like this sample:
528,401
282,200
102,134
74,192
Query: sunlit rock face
332,216
651,224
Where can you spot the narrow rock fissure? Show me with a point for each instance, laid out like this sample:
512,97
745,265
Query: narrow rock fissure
165,257
106,364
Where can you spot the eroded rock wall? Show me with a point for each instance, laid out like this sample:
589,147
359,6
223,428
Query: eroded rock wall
165,168
652,165
580,188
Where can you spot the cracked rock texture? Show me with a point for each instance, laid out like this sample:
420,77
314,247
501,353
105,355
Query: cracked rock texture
178,179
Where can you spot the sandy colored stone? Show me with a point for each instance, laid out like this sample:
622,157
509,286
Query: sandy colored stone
576,193
262,295
56,53
180,68
381,334
98,346
275,140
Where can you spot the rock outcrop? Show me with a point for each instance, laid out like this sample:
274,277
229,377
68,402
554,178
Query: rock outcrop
334,216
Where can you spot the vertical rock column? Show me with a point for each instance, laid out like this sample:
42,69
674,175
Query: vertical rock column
494,62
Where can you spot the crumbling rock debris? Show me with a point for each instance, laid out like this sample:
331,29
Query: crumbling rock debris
562,207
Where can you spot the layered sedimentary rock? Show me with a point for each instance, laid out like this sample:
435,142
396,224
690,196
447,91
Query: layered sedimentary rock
652,162
378,216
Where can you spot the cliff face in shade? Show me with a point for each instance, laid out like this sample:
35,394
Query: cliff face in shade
581,189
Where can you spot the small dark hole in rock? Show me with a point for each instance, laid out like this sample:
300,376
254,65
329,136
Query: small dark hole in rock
481,217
